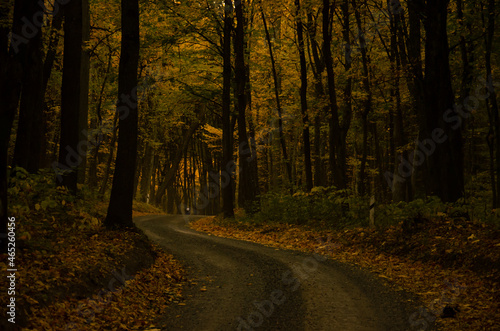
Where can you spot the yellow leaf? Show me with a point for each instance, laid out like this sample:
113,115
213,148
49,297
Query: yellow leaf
37,206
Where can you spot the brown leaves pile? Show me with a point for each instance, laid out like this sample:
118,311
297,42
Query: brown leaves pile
133,306
438,262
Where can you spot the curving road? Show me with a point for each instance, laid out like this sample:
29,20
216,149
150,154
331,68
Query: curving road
253,287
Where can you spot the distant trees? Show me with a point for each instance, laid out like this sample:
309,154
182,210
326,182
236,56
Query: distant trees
396,100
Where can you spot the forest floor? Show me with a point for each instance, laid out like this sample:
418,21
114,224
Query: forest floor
72,276
451,264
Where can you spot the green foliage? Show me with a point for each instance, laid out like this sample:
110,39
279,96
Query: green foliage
34,198
333,208
337,209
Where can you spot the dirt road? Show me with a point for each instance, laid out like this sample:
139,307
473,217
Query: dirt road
246,286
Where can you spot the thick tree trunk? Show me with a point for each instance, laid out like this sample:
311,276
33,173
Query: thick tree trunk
441,141
74,91
248,185
303,98
11,72
27,152
122,191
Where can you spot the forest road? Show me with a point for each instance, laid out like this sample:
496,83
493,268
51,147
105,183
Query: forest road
254,287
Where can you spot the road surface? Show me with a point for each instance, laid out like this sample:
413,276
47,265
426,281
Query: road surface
253,287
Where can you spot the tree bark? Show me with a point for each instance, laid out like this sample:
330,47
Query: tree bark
27,151
248,185
71,152
335,137
278,102
367,102
120,205
492,100
11,72
227,132
303,98
443,169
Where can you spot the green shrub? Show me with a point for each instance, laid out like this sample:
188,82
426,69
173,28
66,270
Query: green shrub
335,208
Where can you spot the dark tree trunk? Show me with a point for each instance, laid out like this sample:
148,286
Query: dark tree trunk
319,93
74,91
27,152
303,98
367,102
227,132
11,72
122,191
401,189
335,137
248,186
146,173
443,169
84,91
492,102
347,96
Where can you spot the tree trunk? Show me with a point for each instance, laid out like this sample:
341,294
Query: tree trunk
84,91
171,171
11,72
146,173
227,132
71,152
440,140
338,178
122,191
27,152
303,98
492,100
278,102
367,102
319,93
248,185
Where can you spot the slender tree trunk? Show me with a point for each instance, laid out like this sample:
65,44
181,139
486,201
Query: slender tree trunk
319,93
367,102
107,172
122,191
171,171
248,185
492,100
334,135
303,98
71,153
227,132
347,95
278,102
84,90
146,173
